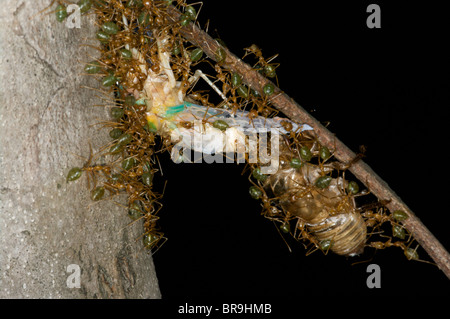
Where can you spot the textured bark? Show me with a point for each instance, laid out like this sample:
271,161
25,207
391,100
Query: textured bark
46,122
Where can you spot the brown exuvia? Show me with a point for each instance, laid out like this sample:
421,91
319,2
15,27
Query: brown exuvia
327,211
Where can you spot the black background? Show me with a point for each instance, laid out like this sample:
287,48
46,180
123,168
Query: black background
386,89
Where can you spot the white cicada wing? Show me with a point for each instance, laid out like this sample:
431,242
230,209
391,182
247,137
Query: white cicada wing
213,130
238,119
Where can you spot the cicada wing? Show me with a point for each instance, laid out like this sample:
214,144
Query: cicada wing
238,119
196,127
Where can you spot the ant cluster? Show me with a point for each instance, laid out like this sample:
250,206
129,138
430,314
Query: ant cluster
149,67
310,199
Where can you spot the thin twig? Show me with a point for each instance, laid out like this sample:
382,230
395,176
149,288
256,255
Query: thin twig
295,112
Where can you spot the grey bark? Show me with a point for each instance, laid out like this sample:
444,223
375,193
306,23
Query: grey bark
46,121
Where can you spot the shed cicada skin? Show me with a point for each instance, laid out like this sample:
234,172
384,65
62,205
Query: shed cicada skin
310,198
327,211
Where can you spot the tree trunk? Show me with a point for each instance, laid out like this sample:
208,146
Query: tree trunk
50,229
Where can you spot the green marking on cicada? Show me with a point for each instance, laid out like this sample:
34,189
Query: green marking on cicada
172,110
140,102
151,127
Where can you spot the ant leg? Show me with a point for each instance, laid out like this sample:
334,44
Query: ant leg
199,74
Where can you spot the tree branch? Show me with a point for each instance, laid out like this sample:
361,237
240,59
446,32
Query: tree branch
295,112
